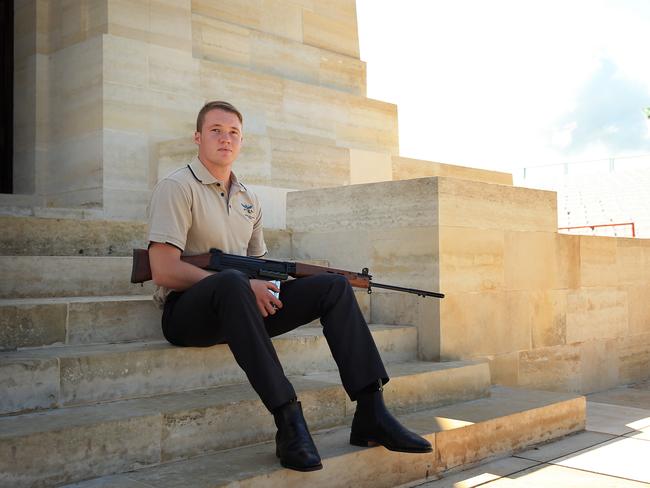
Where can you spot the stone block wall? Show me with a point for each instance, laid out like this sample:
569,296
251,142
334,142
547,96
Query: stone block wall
408,168
548,310
312,42
601,317
109,92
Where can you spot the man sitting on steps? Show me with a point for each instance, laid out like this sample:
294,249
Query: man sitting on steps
202,206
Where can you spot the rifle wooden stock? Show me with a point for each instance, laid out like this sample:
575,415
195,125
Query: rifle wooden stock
265,269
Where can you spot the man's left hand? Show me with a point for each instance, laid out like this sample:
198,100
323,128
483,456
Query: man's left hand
266,301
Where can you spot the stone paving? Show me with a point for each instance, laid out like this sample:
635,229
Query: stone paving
614,451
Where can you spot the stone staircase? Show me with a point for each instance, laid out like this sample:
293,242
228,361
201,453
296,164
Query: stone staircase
91,391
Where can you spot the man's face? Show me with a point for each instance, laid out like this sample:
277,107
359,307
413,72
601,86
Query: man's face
220,138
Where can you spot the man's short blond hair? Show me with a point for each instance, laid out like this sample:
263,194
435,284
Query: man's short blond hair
217,104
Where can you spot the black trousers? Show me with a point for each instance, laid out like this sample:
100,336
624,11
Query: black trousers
222,309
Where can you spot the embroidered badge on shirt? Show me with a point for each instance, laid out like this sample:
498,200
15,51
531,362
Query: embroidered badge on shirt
249,211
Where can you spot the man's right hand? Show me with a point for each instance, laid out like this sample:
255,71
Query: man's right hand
266,301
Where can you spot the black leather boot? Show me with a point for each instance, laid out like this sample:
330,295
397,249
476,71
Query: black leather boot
374,424
293,443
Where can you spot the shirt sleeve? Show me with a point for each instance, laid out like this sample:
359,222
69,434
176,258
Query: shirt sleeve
256,244
170,214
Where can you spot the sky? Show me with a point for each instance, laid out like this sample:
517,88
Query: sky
507,84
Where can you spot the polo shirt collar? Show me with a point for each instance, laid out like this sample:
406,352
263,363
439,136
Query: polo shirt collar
202,174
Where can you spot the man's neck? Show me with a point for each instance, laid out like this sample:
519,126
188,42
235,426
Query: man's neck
219,172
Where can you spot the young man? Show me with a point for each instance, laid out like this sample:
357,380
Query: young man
203,205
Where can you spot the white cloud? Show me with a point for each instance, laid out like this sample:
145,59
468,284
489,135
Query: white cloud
562,137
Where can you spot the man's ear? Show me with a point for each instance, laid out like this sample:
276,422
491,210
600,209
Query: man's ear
197,138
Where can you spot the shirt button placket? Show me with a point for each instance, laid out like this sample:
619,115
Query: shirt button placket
228,207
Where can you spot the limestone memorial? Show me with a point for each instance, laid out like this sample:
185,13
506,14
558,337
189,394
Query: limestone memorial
105,98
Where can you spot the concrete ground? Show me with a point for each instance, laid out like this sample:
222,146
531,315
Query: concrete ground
614,451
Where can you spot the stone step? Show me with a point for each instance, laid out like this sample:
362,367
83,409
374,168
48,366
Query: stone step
18,204
72,235
461,434
60,276
38,322
35,236
73,375
128,434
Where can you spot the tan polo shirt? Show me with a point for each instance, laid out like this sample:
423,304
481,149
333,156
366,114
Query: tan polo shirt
191,210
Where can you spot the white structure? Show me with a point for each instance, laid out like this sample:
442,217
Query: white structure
597,193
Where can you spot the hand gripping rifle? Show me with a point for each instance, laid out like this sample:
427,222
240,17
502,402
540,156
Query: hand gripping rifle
265,269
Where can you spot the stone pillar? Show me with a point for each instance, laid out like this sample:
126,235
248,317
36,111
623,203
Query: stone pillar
497,257
58,90
389,227
31,74
98,85
151,94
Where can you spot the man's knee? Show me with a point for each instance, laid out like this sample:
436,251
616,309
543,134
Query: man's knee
338,286
232,276
339,282
229,280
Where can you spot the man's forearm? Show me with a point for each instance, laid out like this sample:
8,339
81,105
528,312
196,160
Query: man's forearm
169,271
179,275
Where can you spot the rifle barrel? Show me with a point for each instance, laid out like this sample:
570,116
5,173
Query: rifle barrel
422,293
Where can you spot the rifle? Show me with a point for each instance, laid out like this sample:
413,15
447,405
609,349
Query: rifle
266,269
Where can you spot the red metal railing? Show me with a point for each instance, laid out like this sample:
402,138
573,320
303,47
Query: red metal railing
592,227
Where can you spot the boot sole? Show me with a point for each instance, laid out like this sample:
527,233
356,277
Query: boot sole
357,441
316,467
305,469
